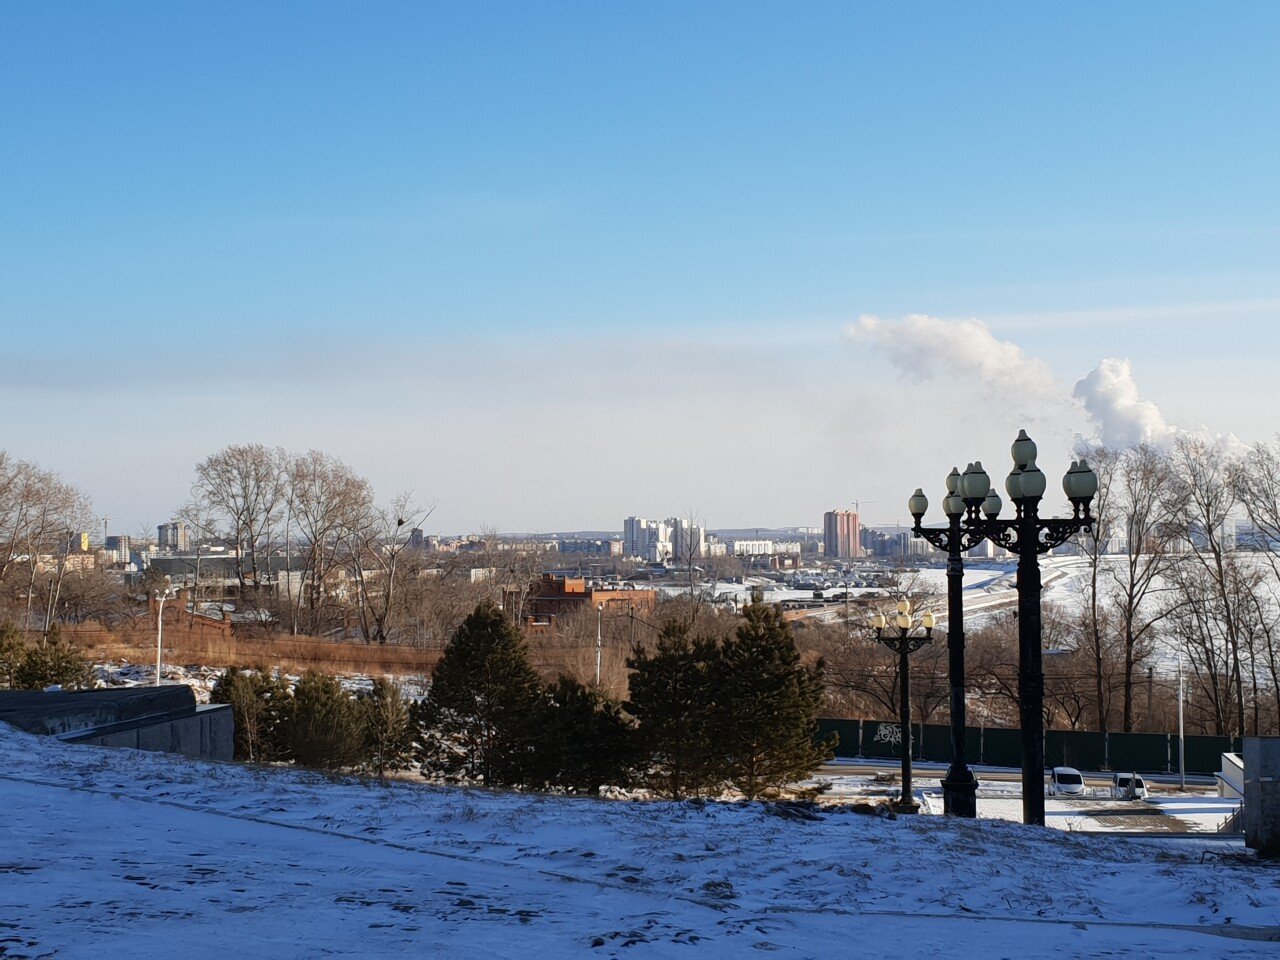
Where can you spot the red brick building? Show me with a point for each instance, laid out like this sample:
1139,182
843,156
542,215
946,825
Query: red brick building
551,598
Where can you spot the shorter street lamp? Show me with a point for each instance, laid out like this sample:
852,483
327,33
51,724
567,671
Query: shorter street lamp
904,643
168,593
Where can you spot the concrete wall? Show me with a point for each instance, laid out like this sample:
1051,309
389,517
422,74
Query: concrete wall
68,711
207,734
164,719
1262,795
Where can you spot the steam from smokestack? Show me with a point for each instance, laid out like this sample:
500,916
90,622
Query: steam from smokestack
924,345
1108,396
1122,418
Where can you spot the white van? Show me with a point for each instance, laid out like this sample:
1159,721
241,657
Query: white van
1066,782
1128,786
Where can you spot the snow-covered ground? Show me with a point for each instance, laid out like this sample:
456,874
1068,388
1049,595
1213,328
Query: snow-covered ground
1199,811
201,679
111,853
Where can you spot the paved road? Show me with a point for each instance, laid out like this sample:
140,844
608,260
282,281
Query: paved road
929,770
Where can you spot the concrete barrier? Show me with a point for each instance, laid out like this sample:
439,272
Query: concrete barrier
1262,795
164,719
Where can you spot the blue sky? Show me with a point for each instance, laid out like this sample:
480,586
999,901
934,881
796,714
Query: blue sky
454,243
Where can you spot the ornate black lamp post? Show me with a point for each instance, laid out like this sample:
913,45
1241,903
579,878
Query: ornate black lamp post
1028,536
904,644
959,787
973,509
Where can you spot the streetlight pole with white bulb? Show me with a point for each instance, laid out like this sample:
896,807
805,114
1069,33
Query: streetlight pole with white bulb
599,639
168,593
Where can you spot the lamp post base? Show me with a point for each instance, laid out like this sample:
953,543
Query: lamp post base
901,806
960,795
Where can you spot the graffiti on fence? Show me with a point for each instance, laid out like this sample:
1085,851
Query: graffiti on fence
889,733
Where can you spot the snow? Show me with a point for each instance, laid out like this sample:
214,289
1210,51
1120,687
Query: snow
201,679
114,853
1198,812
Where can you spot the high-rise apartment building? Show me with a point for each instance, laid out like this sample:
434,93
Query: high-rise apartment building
841,534
675,538
173,537
688,540
118,547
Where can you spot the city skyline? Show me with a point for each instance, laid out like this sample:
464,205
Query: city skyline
655,260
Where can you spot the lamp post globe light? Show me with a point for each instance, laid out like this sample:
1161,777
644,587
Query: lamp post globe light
1027,536
904,642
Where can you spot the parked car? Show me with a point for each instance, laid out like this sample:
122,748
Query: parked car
1128,786
1066,782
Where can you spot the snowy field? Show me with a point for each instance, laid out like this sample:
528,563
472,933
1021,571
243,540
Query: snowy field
113,853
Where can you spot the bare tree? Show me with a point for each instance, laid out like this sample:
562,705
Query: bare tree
326,499
1094,547
379,541
244,485
1143,491
1204,499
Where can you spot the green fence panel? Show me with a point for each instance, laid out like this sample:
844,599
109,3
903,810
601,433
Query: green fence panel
1203,754
1143,752
882,740
936,743
1081,749
1001,747
846,730
972,745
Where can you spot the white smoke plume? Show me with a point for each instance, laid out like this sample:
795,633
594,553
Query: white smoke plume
1122,418
1108,396
921,344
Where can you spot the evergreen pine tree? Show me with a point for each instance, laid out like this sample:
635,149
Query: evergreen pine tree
484,692
674,695
258,701
13,654
322,726
767,721
389,730
55,660
584,741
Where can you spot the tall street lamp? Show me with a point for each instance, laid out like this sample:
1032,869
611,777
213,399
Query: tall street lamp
904,643
168,593
1028,536
959,787
599,639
